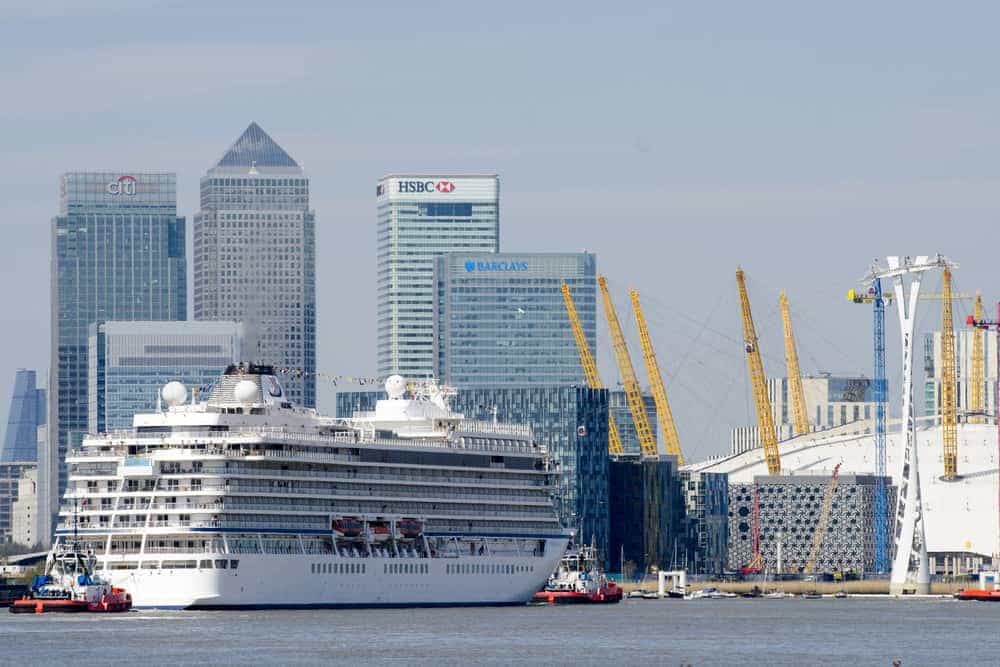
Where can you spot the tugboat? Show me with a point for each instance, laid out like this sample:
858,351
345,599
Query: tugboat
579,580
70,585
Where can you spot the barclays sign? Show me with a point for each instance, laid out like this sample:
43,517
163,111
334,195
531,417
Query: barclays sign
495,267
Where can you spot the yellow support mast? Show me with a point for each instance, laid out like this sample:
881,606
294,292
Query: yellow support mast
949,412
590,373
977,404
823,522
671,441
799,419
647,441
765,418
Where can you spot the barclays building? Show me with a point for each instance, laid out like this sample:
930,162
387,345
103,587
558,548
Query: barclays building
501,320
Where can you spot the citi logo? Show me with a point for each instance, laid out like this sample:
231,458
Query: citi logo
426,186
125,185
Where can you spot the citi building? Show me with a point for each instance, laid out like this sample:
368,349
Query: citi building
420,217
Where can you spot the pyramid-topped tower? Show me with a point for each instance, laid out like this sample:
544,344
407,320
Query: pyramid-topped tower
255,257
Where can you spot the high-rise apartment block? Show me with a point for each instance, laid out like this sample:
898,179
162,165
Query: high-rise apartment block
501,319
255,257
118,253
131,361
27,413
421,216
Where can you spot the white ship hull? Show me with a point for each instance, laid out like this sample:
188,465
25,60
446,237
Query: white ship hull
312,581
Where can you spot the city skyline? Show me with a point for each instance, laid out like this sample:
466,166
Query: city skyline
835,157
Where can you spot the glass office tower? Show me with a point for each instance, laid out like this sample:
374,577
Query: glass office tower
421,216
131,361
501,318
255,257
27,413
118,253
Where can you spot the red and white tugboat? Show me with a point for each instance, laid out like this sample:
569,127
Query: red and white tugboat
579,580
70,585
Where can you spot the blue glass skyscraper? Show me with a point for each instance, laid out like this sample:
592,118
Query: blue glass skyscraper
27,413
118,253
501,318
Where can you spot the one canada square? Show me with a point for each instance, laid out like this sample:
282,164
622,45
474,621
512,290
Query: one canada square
255,257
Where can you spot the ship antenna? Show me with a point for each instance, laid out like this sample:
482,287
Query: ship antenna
76,520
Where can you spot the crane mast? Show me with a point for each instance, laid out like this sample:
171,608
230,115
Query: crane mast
644,432
977,406
765,418
799,419
823,522
671,440
881,490
949,413
590,374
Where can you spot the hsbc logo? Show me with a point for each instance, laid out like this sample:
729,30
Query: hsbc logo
411,187
125,185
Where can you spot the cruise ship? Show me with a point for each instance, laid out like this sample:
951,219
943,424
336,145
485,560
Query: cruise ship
244,500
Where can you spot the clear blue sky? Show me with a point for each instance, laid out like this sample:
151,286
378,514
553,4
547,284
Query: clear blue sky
675,140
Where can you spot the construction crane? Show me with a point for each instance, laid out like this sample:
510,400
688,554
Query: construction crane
799,419
633,395
765,419
590,373
824,520
987,325
949,413
756,563
977,404
671,441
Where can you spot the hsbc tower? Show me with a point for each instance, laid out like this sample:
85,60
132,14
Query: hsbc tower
420,217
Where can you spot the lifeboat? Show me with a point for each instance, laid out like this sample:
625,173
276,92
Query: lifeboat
379,530
978,594
348,526
410,528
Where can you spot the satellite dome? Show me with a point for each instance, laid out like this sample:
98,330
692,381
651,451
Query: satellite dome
395,386
245,391
174,393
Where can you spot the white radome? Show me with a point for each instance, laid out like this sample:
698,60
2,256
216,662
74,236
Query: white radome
395,386
174,393
245,391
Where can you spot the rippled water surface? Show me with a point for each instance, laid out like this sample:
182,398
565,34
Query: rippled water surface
785,632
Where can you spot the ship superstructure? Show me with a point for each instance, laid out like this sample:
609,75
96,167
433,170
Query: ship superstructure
245,500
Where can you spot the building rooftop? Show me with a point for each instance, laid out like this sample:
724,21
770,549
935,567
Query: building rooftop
255,148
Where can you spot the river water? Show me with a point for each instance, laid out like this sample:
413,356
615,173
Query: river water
857,631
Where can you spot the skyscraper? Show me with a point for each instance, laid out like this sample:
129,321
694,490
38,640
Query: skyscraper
27,413
255,257
421,216
118,253
131,361
502,320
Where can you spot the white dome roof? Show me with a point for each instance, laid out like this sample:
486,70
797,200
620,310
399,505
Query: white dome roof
245,391
174,393
395,386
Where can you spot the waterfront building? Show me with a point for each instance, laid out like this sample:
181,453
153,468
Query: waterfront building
646,514
622,415
131,361
421,216
27,412
501,318
255,257
963,371
24,510
706,515
118,253
10,475
831,402
570,422
789,509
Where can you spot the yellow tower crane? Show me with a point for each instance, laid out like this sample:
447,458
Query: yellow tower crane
799,419
590,366
823,522
765,418
644,432
977,406
671,441
949,412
